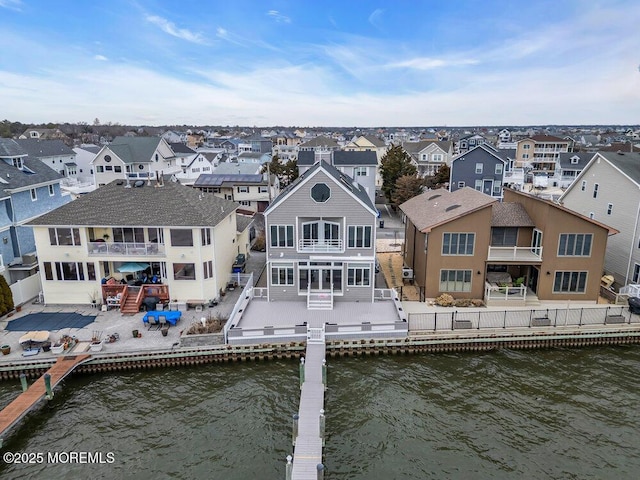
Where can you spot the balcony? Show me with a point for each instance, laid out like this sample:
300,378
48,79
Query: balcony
126,249
515,254
320,246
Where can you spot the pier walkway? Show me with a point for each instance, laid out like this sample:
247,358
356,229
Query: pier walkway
17,409
309,441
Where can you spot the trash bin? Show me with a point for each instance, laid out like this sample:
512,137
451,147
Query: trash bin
381,223
634,305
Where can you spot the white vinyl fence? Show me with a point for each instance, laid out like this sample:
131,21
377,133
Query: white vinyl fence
26,289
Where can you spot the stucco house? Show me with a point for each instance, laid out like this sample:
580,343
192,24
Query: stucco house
320,236
518,251
185,239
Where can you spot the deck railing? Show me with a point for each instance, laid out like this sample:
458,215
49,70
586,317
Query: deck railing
516,254
311,245
506,293
126,249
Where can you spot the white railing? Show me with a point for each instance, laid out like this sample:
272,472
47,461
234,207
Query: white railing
315,334
259,292
2,268
518,254
126,249
311,245
241,279
238,308
509,294
631,290
383,293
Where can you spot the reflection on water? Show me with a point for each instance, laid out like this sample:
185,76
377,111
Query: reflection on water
508,414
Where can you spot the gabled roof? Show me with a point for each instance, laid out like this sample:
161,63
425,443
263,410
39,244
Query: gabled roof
436,207
171,205
375,141
340,158
182,148
320,141
34,172
245,168
413,148
488,149
44,148
506,153
243,222
216,180
342,180
9,148
583,160
510,214
135,149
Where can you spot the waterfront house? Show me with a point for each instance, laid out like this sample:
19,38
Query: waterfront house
429,155
469,245
185,239
608,190
133,158
320,235
28,188
45,134
570,166
481,168
53,153
361,166
541,153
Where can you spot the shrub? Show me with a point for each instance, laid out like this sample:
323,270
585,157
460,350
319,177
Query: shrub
462,302
444,300
6,297
259,244
211,325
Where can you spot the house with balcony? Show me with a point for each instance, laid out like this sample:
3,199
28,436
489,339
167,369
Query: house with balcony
320,142
481,168
96,246
28,188
570,166
541,153
429,155
518,252
361,166
253,192
285,146
468,142
320,236
53,153
133,158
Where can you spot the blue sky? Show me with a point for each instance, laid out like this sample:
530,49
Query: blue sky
321,62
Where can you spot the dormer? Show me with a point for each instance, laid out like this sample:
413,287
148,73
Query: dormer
574,160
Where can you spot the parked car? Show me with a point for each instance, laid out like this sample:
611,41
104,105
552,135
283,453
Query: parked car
240,264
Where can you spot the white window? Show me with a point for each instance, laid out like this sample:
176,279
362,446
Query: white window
570,282
575,244
208,269
609,208
595,190
100,169
636,274
525,156
583,186
437,157
479,168
51,191
574,160
263,189
243,189
455,280
34,194
245,203
358,275
460,184
205,236
360,172
478,185
359,236
282,274
64,236
281,236
458,243
497,190
499,168
526,146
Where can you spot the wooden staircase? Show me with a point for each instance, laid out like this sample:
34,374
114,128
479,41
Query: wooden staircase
131,304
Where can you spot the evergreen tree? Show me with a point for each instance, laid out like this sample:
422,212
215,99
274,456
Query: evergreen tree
439,179
407,187
396,163
6,297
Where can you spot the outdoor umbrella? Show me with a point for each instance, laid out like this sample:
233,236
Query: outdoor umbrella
132,267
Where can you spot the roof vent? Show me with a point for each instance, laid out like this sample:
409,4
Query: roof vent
451,207
120,182
432,197
619,152
138,183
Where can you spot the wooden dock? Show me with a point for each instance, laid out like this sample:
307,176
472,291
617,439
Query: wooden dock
16,410
307,453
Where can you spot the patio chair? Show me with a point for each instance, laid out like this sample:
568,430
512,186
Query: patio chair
153,323
162,320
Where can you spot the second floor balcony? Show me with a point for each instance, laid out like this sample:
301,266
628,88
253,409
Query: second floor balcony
126,249
515,254
319,246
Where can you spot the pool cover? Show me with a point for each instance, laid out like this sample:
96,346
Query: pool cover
49,321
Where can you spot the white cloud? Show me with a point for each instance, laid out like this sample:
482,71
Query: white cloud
11,4
170,28
278,17
224,34
426,63
101,58
375,17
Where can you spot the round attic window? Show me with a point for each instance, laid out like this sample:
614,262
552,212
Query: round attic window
107,158
141,167
320,192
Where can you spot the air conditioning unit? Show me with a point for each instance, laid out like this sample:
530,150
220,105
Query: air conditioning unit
29,259
407,273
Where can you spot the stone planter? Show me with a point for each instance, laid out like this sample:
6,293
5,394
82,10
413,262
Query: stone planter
95,346
57,349
6,349
165,331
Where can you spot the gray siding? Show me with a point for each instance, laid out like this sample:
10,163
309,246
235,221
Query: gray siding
624,195
463,169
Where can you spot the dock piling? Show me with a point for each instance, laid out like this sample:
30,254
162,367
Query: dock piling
324,373
322,425
301,372
320,468
289,468
296,417
47,386
23,381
